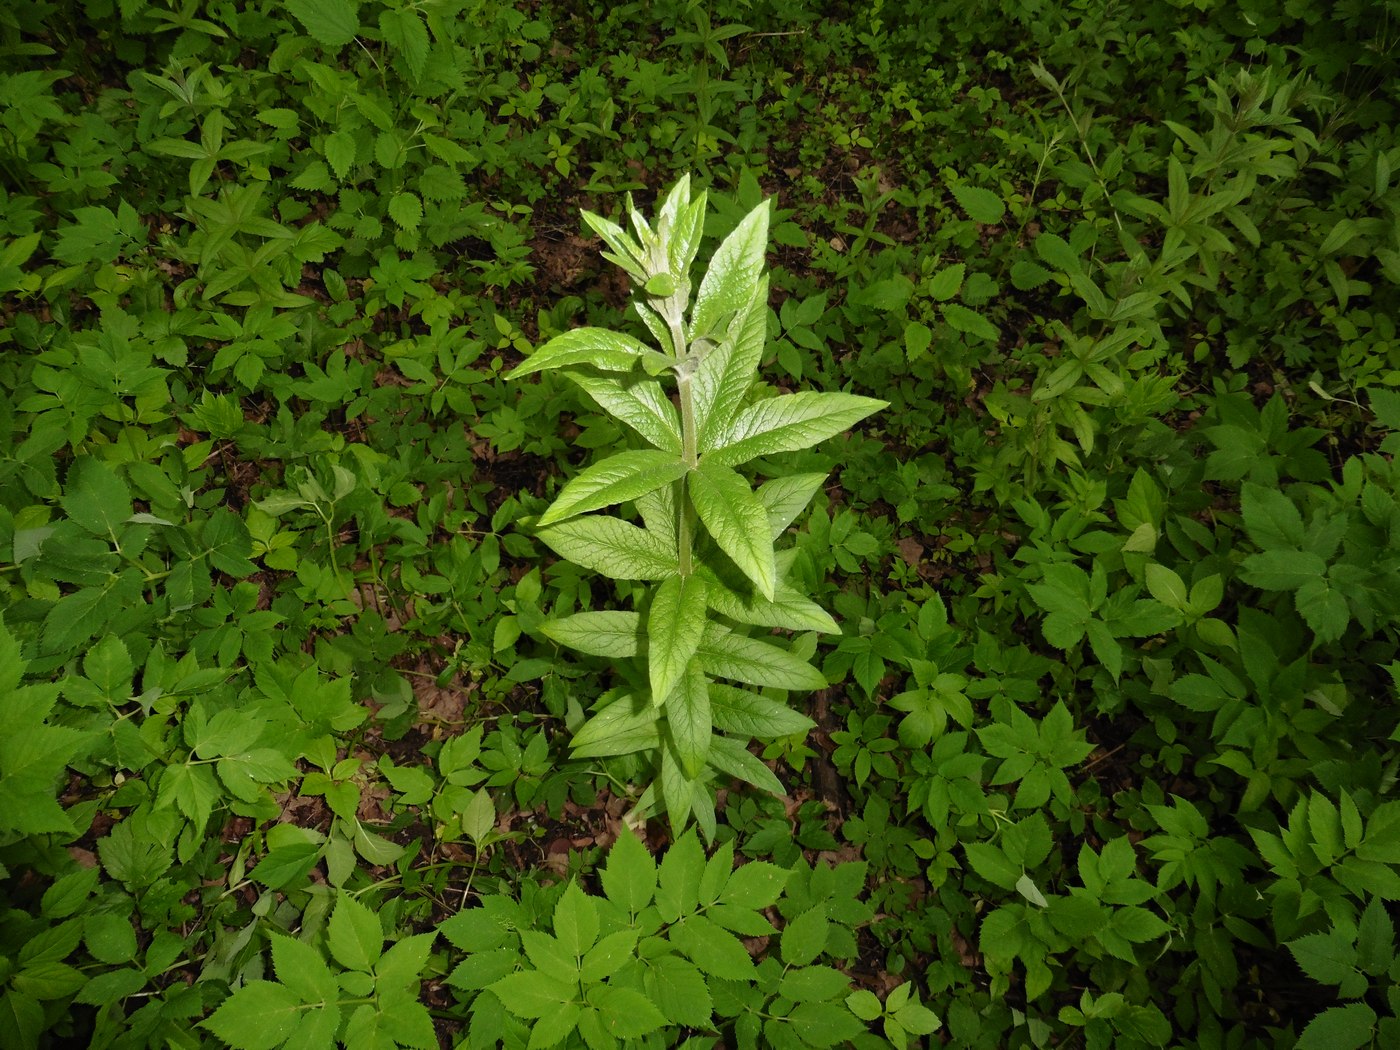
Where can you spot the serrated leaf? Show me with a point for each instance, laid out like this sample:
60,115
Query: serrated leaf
598,347
259,1016
734,271
576,920
339,151
304,971
970,322
638,402
1028,275
754,662
629,878
625,1014
333,23
731,757
757,884
615,548
679,989
355,937
947,283
96,498
747,714
406,210
624,726
617,479
737,521
604,633
532,994
1339,1028
982,206
688,719
675,626
804,938
790,609
786,497
714,950
813,984
787,423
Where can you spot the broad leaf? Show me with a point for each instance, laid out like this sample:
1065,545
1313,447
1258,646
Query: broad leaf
730,655
355,936
624,726
789,609
726,372
607,633
730,756
259,1016
602,349
639,402
786,498
734,273
333,23
629,878
737,520
748,714
617,479
688,719
615,548
675,626
786,423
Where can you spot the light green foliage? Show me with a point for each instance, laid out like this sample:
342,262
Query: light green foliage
705,530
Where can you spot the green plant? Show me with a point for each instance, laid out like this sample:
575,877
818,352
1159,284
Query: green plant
707,539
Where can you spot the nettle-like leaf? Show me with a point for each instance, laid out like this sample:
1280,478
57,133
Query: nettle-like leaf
707,536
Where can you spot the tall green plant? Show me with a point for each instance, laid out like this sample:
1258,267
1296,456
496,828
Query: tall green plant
706,538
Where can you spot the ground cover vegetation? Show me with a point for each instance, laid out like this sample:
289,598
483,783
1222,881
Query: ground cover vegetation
356,608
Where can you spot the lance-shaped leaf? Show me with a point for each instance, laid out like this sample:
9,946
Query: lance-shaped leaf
598,347
640,403
625,251
730,756
734,272
726,371
729,655
786,498
786,424
617,479
675,626
658,510
688,719
789,610
607,633
677,789
615,548
747,714
626,725
736,519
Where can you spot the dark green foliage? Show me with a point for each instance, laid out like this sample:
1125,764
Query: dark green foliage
1107,751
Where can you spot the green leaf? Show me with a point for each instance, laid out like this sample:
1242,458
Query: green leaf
626,1014
675,625
787,423
731,757
730,655
734,272
722,381
406,210
681,871
1281,570
576,920
333,23
304,971
339,149
787,497
678,987
738,522
259,1016
992,864
804,938
713,949
789,610
355,937
1339,1028
824,1024
639,402
982,206
629,879
969,322
622,727
597,347
813,983
617,479
96,498
748,714
688,718
1027,275
1328,958
285,865
864,1004
532,994
1272,520
607,633
946,284
615,548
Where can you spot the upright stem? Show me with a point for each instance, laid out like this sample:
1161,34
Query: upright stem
689,447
